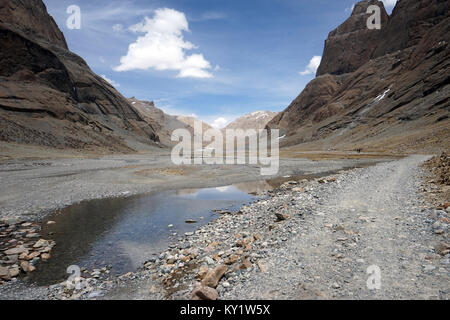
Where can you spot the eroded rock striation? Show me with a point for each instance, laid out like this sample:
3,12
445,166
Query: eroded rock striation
384,89
49,96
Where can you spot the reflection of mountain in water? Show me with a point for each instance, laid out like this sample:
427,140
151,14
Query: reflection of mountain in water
124,232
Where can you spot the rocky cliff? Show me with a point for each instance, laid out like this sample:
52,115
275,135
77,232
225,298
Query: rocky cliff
378,89
49,96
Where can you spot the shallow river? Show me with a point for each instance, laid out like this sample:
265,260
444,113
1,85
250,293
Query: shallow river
125,232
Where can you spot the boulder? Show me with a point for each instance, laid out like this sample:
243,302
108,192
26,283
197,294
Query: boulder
213,277
16,250
204,293
4,273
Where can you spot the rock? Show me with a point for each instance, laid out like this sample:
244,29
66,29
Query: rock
204,293
32,255
211,246
282,216
51,222
213,277
189,221
14,272
32,235
241,243
262,267
245,264
41,243
13,258
4,273
45,256
203,271
209,261
25,265
232,259
16,250
442,248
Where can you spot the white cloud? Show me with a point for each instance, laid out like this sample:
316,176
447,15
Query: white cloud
163,47
312,66
112,82
220,123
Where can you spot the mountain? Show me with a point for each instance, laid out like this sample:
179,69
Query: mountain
50,97
254,120
384,89
164,124
190,121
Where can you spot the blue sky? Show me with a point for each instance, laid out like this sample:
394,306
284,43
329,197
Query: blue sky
209,58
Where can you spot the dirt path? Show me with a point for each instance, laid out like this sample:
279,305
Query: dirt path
371,218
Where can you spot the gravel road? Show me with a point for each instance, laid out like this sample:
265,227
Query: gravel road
370,217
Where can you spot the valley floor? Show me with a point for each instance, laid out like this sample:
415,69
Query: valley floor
335,229
30,189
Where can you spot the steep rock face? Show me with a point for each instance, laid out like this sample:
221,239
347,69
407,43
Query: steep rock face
315,95
32,19
351,44
398,100
409,23
49,96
